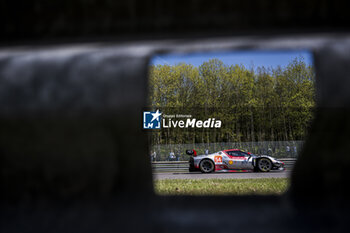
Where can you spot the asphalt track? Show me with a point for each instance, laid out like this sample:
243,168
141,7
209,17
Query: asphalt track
236,175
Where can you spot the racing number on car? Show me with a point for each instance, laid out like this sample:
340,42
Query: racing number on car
218,159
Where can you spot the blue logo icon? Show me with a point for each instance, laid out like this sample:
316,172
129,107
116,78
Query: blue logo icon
151,120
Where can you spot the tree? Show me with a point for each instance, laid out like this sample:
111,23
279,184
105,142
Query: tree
254,105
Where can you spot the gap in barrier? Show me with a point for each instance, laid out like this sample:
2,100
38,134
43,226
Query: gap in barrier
259,102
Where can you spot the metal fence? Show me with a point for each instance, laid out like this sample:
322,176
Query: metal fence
182,166
176,152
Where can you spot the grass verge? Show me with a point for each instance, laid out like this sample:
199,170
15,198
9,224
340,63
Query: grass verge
261,186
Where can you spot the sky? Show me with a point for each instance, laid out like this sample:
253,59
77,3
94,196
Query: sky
246,58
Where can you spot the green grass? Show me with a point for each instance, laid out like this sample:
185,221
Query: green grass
262,186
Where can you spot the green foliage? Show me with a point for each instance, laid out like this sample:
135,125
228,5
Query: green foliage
261,186
255,105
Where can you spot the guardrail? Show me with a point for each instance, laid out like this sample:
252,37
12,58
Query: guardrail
182,166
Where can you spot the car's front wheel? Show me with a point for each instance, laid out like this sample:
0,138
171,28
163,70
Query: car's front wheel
206,166
264,165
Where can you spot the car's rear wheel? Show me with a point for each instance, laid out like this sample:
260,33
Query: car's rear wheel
264,165
206,166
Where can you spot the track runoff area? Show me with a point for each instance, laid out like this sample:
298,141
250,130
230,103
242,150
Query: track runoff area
217,175
174,178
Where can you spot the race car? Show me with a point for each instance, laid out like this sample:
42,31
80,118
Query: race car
232,160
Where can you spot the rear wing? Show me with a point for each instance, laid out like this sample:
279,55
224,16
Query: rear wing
191,152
